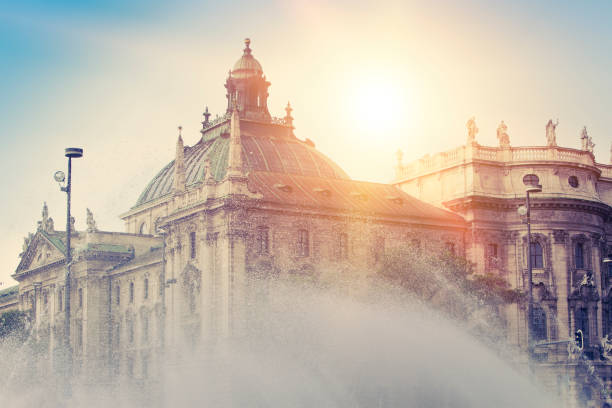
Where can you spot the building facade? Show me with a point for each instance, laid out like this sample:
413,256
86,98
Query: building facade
249,200
571,232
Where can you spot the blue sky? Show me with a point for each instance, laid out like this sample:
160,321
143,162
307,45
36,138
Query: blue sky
365,78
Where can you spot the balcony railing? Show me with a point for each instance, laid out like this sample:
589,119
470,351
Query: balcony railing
439,161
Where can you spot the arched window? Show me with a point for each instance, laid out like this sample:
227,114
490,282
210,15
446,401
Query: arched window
131,292
537,257
539,323
143,228
303,246
579,255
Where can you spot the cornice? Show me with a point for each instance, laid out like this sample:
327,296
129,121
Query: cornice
484,202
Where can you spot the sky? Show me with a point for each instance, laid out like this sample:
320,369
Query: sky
365,78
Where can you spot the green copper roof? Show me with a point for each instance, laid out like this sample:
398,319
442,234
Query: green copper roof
13,290
109,248
265,147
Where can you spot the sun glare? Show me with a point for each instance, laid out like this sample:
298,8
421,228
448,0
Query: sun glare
379,103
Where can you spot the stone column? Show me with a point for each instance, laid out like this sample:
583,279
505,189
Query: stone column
598,279
560,262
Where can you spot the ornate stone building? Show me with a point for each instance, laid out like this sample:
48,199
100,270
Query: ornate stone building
249,199
571,225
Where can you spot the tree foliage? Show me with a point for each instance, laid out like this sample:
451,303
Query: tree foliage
14,324
448,283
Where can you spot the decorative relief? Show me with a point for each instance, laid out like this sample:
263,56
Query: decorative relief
560,236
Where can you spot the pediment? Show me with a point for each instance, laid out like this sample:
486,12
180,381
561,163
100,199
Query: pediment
42,249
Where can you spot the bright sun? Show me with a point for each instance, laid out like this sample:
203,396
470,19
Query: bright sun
379,104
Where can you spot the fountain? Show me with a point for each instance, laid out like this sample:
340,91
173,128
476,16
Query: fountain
306,347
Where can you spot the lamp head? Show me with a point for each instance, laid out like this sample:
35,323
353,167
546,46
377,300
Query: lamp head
536,188
74,152
59,176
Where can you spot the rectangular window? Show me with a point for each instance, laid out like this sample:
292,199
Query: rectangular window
579,255
146,288
60,299
491,257
192,240
303,243
145,329
161,284
342,247
131,292
609,267
379,249
582,323
450,247
262,238
117,295
80,297
537,255
131,330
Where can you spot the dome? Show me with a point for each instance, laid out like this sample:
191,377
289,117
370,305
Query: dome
265,148
247,65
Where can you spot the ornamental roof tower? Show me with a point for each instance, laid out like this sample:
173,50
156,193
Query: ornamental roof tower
247,88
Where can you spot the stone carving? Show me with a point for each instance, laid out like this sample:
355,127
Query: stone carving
91,223
560,236
50,227
551,136
472,130
586,141
46,223
587,280
502,135
26,243
606,347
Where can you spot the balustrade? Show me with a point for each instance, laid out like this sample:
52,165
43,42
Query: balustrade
516,154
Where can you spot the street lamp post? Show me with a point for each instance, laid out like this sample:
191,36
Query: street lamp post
531,181
70,153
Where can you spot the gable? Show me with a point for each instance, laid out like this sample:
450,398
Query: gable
43,249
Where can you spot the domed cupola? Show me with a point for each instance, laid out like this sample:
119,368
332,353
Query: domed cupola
247,88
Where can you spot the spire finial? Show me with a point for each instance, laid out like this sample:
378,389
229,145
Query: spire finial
179,164
247,43
288,118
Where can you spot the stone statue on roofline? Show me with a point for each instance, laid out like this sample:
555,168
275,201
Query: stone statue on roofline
586,141
472,130
551,136
502,135
91,223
